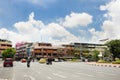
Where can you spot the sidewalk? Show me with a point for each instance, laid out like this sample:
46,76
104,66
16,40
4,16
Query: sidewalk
104,64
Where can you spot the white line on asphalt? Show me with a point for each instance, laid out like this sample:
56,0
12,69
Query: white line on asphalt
107,73
28,76
13,78
86,74
59,75
39,72
75,76
49,77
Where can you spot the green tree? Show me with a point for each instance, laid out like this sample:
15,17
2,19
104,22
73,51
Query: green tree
8,53
86,55
95,55
114,47
108,56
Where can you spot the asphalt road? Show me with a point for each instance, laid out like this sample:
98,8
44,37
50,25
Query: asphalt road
59,71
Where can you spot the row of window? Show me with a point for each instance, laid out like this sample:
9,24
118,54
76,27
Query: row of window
6,45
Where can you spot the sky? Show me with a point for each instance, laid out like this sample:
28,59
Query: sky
59,21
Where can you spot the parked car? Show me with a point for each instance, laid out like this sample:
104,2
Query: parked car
8,62
42,60
23,60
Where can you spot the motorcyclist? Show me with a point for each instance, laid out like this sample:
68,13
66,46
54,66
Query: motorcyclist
49,60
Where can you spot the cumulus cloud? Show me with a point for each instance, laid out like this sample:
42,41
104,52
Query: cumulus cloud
77,19
111,26
35,30
12,36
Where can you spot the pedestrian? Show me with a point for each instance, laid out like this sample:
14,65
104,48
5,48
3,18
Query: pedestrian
28,62
33,59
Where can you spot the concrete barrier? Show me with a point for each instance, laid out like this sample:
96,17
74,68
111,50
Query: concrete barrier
104,64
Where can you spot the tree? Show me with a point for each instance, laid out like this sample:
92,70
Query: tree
108,56
8,53
86,55
114,47
95,55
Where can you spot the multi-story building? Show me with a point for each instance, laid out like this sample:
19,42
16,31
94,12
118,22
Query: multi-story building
4,44
69,50
83,47
47,50
22,50
80,48
38,50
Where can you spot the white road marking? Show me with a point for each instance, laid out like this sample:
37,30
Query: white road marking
75,76
28,76
13,78
107,73
49,77
39,72
85,74
59,75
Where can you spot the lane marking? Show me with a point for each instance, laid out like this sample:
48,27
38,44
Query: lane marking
107,73
86,74
49,77
59,75
29,77
39,72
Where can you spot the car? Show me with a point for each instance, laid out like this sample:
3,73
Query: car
23,60
42,60
8,62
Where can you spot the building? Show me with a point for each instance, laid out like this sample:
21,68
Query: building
80,48
38,50
4,44
22,50
47,50
69,50
43,50
85,47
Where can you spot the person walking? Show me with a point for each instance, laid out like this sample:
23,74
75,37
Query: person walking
28,62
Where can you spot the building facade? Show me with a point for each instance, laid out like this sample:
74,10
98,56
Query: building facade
38,50
22,50
47,50
43,50
81,48
4,44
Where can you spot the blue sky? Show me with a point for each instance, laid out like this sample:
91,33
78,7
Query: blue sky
58,21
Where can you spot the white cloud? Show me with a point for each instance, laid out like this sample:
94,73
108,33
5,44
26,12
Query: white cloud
111,26
35,30
77,19
12,36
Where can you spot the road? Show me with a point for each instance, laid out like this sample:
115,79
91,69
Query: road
59,71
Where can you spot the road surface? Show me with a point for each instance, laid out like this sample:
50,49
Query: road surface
59,71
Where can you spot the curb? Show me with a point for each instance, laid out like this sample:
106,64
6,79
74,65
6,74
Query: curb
105,65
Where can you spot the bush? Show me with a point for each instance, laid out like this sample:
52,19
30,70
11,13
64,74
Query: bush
117,61
75,60
102,61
